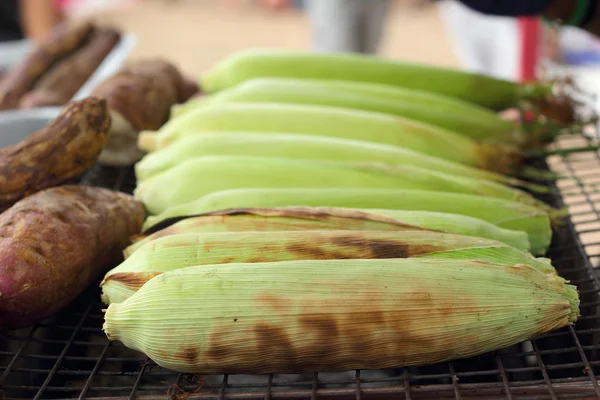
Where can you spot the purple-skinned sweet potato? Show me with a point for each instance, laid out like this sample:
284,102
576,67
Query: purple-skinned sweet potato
53,245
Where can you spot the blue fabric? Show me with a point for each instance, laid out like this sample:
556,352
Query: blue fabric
516,8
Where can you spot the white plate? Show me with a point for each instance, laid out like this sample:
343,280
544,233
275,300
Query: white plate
16,125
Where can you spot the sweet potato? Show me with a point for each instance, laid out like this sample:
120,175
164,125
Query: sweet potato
54,243
140,97
62,41
68,75
189,90
41,98
143,93
62,150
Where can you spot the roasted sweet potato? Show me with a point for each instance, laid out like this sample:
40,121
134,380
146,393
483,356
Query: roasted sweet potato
189,90
143,93
62,41
62,150
54,243
41,98
68,75
140,96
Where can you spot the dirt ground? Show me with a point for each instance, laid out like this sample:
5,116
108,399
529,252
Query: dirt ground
196,33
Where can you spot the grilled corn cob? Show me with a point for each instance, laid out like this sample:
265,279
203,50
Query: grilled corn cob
335,122
308,147
461,117
197,177
506,214
337,315
328,218
188,249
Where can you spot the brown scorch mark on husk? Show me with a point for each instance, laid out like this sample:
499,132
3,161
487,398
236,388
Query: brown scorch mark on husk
344,336
358,246
133,280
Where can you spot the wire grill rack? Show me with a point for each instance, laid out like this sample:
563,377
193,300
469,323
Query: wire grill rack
68,356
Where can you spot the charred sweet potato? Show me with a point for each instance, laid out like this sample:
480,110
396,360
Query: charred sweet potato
54,243
68,75
62,150
62,41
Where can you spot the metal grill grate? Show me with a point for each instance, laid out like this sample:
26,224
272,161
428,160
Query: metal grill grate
68,357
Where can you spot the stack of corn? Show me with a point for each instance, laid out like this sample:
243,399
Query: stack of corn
333,212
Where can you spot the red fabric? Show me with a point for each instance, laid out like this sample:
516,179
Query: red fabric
530,39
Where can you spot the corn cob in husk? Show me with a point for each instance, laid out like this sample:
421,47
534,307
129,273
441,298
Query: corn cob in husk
335,122
188,249
446,112
307,147
337,315
328,218
503,213
472,87
200,176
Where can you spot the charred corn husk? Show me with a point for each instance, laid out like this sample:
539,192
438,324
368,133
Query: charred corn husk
188,249
337,315
200,176
307,147
328,218
503,213
335,122
450,113
472,87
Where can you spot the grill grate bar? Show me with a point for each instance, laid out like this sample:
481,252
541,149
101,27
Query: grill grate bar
594,209
504,377
62,355
269,387
88,382
588,369
315,384
223,387
357,379
454,381
543,370
138,381
406,384
16,356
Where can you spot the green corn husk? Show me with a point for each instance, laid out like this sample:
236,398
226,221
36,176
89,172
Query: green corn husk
200,176
312,218
188,249
476,88
446,112
306,147
337,315
337,122
503,213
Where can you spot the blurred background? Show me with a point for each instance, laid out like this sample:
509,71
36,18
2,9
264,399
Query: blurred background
195,33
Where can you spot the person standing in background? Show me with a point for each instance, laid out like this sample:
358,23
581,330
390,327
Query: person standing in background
27,19
351,26
485,44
